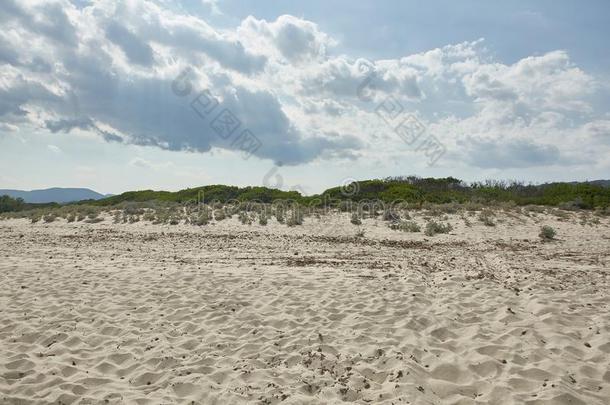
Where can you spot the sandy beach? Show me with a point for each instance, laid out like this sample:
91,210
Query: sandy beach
314,314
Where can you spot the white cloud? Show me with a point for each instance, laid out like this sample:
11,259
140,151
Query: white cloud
213,6
54,148
287,38
146,164
108,68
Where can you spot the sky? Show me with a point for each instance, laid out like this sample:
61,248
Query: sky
165,95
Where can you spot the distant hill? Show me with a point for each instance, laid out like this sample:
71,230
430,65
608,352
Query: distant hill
602,183
58,195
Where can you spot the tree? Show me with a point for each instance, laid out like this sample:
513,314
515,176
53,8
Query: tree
8,204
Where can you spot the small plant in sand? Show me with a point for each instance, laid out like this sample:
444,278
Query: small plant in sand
49,218
561,215
296,218
34,218
244,218
535,209
356,219
466,220
174,220
405,226
219,214
279,215
95,220
391,215
71,218
202,218
262,218
433,227
409,226
149,216
602,212
547,233
486,217
360,233
132,209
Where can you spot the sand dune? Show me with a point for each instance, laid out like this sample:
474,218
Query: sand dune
230,314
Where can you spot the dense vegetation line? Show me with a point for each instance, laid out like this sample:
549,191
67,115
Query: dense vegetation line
412,190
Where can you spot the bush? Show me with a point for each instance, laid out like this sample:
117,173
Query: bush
409,226
49,218
355,219
149,216
9,204
279,215
95,220
296,218
433,227
262,219
547,233
486,216
219,215
244,218
389,215
203,218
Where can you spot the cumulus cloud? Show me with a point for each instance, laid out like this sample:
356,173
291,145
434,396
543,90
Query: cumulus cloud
136,50
517,153
54,148
342,77
48,19
598,130
108,68
288,38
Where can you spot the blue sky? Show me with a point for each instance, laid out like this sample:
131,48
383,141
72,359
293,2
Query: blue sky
323,92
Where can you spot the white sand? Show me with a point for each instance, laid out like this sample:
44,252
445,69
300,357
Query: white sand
232,314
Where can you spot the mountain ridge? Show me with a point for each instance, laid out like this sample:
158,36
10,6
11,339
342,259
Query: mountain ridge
54,195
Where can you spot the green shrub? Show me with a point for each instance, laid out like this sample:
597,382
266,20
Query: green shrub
9,204
203,218
547,233
409,226
49,218
219,214
356,219
433,227
262,219
244,218
296,218
279,215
